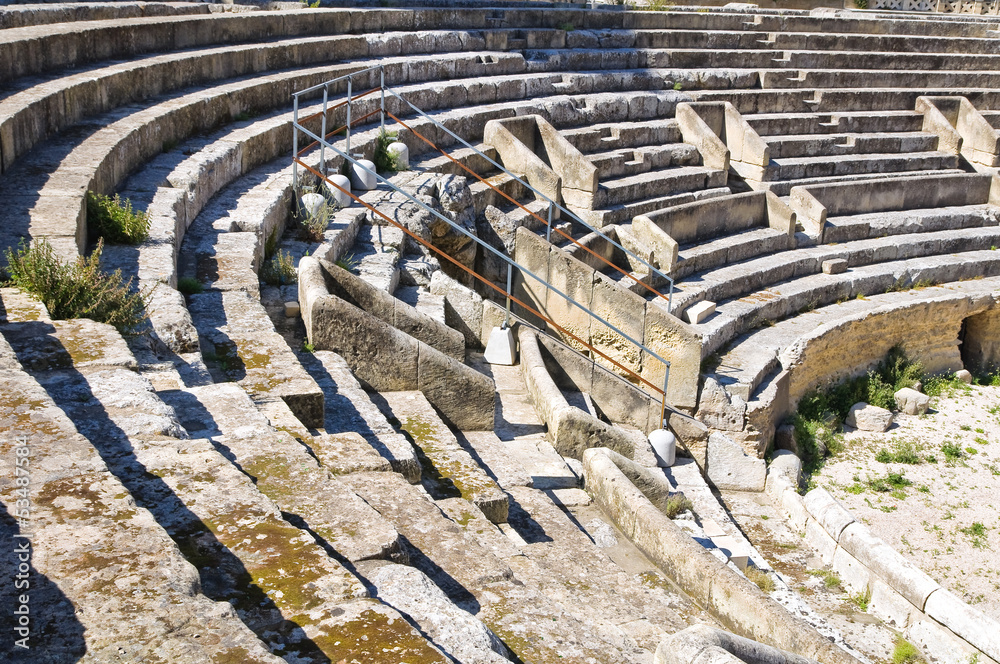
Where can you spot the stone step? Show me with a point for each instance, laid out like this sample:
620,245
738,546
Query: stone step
432,160
157,607
746,364
812,99
784,188
843,144
801,168
741,278
734,317
449,470
853,227
286,471
282,583
839,42
601,137
376,253
422,300
659,183
776,124
533,625
877,78
632,161
725,251
620,214
356,424
240,344
876,60
20,17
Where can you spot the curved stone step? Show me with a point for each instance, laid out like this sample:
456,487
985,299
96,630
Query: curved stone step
451,467
276,575
285,470
119,585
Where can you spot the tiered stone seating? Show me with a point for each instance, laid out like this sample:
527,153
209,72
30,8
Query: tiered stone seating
299,485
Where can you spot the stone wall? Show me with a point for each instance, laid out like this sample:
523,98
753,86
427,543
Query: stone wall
388,359
646,322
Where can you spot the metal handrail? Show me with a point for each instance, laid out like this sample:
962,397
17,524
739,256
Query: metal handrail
573,216
536,192
321,140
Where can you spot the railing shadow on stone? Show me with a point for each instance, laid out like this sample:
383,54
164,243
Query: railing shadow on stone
226,579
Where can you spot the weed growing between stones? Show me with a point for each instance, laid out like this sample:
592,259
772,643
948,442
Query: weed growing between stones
113,219
348,262
78,289
312,226
761,578
677,503
905,452
905,652
861,600
830,579
189,286
280,270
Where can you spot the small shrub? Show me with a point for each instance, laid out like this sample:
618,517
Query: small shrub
348,262
114,220
78,289
830,579
678,86
946,385
905,452
951,451
976,533
308,347
280,270
760,578
861,600
677,503
566,27
905,652
189,285
312,227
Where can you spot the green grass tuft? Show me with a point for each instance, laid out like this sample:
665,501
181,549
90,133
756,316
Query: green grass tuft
113,219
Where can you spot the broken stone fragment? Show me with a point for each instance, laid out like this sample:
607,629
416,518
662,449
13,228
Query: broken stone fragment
868,418
912,402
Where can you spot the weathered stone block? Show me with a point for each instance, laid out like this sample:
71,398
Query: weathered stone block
912,402
828,512
868,418
835,266
699,311
729,467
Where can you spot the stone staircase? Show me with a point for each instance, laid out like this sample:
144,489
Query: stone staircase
330,523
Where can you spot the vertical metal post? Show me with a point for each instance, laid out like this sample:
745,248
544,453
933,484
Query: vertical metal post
548,228
670,298
381,86
295,144
350,93
322,145
506,323
663,405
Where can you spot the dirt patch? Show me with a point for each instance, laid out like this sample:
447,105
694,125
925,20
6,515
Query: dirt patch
930,488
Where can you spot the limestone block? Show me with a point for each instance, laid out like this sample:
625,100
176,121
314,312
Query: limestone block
964,376
363,175
699,311
820,540
776,485
835,266
729,467
939,643
455,631
786,464
340,193
967,622
828,512
718,409
853,575
794,507
868,418
889,606
292,309
400,155
911,401
887,564
784,438
500,349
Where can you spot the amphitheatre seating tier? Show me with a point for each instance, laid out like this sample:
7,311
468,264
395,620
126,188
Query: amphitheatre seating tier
289,458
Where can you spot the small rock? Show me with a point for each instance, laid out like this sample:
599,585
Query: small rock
835,266
868,418
291,309
699,311
912,402
788,464
784,438
964,376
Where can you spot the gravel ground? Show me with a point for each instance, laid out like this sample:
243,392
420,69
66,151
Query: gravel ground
943,512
